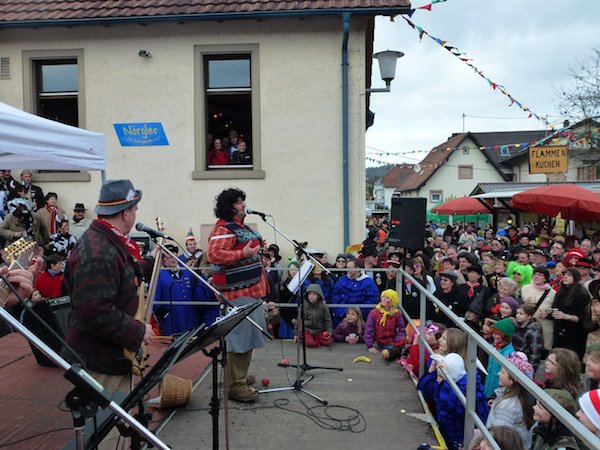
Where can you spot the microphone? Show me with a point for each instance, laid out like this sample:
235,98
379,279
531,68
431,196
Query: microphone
153,233
258,213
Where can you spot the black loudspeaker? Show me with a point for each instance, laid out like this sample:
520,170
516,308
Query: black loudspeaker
407,224
55,313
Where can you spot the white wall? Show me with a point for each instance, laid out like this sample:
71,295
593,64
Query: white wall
446,177
300,116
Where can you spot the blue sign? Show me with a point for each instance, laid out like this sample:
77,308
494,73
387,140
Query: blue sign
141,134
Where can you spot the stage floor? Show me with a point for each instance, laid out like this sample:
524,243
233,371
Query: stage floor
33,414
371,405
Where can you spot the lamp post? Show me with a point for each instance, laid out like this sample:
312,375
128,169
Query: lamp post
387,68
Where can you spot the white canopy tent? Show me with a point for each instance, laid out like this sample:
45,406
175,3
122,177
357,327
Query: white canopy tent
28,141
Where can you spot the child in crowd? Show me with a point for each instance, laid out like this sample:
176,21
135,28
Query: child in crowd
486,333
511,406
473,315
49,282
452,340
589,412
384,329
433,334
508,307
505,437
592,366
502,332
450,412
317,320
548,432
351,328
562,371
528,335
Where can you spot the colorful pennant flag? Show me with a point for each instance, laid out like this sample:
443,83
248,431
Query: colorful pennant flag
462,56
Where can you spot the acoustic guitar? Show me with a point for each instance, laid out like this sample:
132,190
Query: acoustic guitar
139,358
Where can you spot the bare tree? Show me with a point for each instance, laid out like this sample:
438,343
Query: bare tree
581,100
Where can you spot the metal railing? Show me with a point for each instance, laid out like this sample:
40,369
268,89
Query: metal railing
474,341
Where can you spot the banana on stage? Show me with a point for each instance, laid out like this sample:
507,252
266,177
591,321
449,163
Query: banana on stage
365,359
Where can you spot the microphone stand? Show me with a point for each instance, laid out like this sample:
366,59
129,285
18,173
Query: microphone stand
301,369
224,302
88,393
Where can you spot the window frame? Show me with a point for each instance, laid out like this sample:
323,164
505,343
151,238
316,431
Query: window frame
436,192
30,60
462,168
201,171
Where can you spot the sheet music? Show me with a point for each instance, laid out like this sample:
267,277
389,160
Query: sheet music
305,269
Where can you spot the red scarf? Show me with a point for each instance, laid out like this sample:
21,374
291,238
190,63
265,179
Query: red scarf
52,210
130,244
472,286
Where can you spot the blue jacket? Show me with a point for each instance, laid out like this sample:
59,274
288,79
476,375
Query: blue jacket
176,286
491,382
450,412
347,291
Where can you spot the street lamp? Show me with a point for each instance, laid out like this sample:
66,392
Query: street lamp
387,68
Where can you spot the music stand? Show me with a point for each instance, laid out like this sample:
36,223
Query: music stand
295,287
151,379
217,332
184,346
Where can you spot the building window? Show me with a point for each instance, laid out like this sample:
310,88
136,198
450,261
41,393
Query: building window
465,150
465,172
588,173
227,111
56,90
53,88
435,196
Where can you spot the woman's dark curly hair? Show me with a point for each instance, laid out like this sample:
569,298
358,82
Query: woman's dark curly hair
225,200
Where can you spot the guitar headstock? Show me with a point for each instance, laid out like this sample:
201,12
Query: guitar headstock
20,253
160,226
17,255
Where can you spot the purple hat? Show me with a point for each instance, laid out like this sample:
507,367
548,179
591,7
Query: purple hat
510,301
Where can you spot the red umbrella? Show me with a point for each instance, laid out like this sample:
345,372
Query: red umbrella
571,201
462,205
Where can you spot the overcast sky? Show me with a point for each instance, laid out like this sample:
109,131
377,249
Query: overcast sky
528,46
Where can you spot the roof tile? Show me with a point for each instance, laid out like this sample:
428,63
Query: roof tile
33,10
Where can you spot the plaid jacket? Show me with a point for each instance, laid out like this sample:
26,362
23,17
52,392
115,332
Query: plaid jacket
528,339
101,279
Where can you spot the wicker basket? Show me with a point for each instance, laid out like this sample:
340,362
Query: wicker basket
174,391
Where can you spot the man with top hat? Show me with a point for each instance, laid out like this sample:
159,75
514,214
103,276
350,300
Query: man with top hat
102,278
233,251
79,223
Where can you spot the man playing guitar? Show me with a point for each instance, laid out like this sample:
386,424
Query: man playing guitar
102,277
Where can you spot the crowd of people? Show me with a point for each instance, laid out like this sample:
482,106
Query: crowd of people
534,295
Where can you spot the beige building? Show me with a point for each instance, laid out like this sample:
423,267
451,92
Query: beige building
275,72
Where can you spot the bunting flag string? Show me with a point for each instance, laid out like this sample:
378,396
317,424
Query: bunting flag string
553,138
462,56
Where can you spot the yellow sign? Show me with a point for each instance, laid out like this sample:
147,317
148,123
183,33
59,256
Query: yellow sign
550,159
